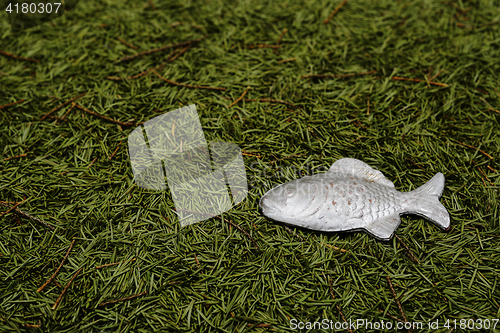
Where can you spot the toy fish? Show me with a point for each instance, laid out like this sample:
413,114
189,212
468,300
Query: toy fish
353,196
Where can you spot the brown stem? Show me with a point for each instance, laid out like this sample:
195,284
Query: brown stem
65,288
336,75
126,43
162,48
397,78
103,117
412,256
10,55
28,215
58,268
112,264
17,156
397,300
239,98
335,12
61,105
10,104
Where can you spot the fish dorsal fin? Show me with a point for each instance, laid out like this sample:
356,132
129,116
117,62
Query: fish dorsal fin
357,168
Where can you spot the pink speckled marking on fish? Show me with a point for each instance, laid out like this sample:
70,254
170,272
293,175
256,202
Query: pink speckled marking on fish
353,196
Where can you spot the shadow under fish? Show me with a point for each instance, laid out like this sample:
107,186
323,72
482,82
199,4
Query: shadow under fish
353,196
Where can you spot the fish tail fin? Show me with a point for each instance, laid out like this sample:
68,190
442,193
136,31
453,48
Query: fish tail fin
425,202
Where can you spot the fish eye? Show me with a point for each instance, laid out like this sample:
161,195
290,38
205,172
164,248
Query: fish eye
289,192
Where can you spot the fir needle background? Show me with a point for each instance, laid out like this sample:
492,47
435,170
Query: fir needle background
411,88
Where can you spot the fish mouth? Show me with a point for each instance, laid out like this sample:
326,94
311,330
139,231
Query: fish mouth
265,208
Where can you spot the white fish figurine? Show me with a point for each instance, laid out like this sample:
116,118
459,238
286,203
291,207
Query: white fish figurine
353,196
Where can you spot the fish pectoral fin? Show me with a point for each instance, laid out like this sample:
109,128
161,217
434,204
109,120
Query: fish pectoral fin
383,228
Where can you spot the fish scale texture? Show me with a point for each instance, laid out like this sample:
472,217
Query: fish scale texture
352,198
